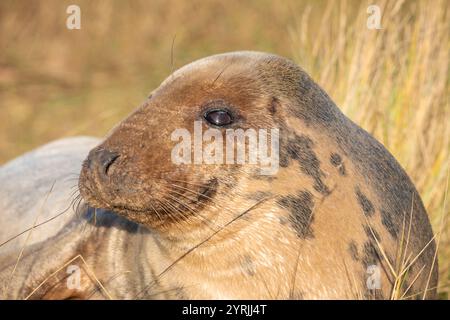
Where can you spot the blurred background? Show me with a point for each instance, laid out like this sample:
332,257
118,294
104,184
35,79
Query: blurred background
394,82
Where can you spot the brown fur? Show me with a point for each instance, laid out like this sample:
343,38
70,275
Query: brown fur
300,233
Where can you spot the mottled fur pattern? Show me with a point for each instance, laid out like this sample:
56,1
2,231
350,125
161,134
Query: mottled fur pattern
223,231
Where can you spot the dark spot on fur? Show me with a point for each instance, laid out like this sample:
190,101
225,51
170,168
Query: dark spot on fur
383,174
273,106
300,148
336,160
390,183
353,249
301,209
248,266
207,190
387,221
370,254
321,187
259,176
283,220
371,233
283,161
365,203
259,195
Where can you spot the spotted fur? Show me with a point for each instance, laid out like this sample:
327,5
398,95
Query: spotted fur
175,227
336,160
301,212
300,148
366,205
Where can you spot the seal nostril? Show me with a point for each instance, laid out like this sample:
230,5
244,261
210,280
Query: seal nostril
107,164
105,159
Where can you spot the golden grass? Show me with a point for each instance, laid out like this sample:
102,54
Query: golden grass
394,82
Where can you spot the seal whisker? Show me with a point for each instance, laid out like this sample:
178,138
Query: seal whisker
77,204
34,227
74,192
170,214
192,200
156,212
196,214
193,191
74,203
187,182
180,212
201,195
192,249
182,204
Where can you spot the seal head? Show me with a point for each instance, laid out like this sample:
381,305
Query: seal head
132,171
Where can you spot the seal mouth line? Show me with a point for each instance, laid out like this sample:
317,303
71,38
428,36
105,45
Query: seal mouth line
204,195
125,208
208,189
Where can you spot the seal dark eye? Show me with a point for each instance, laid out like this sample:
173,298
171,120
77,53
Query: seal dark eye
218,117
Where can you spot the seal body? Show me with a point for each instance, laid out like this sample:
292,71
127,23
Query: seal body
37,186
339,219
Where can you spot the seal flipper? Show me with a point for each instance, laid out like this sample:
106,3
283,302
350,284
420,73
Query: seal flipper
47,270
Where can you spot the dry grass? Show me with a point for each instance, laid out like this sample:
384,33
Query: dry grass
394,82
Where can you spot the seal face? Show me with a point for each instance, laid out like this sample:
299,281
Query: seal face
338,202
132,173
